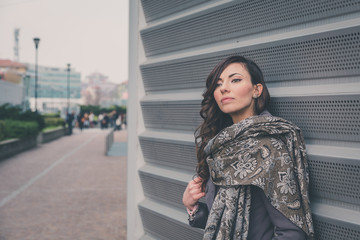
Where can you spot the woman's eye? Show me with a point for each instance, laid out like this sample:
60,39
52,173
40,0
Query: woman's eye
236,80
218,84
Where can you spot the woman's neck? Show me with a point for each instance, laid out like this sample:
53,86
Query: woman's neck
240,117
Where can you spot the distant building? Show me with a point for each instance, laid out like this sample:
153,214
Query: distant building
52,90
98,90
11,71
17,86
12,83
123,93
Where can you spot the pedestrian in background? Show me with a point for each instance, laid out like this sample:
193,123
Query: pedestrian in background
105,121
69,120
80,120
118,123
85,120
100,120
91,119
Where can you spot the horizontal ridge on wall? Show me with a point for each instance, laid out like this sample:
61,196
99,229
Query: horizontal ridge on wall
163,189
333,223
323,55
326,117
160,8
335,178
238,19
176,115
157,151
335,117
166,223
147,237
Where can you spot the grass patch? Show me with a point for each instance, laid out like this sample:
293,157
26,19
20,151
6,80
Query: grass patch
50,128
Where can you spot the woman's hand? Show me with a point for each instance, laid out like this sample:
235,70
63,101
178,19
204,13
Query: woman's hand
193,193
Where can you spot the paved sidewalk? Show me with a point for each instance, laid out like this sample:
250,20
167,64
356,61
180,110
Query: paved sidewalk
65,189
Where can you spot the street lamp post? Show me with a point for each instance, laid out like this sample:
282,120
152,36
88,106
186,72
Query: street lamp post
68,87
36,41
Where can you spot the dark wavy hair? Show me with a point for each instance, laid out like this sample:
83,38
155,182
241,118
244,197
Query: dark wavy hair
214,119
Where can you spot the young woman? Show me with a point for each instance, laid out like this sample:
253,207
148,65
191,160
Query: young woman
252,167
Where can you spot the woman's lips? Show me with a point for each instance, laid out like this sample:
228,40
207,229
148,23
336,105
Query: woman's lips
226,99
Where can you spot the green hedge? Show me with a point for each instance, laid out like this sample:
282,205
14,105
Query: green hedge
2,130
51,115
97,109
17,129
54,121
14,112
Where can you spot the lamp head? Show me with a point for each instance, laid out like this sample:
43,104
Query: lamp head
36,41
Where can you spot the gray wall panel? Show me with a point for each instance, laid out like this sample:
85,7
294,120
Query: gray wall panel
163,225
160,8
163,189
335,178
182,154
177,115
239,19
332,229
309,52
323,55
322,117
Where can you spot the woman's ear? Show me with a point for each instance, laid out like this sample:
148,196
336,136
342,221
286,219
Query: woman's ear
258,88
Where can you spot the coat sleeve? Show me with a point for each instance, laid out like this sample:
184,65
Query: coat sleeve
283,227
200,217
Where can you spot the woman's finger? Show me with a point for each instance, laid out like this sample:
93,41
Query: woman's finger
194,185
195,192
198,180
199,195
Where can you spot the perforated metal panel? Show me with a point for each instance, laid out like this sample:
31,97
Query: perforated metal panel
163,226
330,229
334,178
177,115
239,19
331,54
321,117
160,8
182,154
163,189
156,76
324,117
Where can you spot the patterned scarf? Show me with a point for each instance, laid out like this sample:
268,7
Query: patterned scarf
264,151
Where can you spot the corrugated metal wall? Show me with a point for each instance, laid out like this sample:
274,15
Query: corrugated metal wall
309,51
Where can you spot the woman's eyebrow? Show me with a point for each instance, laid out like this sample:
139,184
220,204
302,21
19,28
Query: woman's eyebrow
231,75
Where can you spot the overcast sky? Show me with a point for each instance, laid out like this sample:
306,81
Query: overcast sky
91,35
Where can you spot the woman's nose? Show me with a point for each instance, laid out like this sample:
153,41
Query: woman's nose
224,87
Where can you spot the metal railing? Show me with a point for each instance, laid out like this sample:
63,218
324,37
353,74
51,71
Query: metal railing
109,139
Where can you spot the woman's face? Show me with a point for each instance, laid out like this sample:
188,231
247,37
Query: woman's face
235,94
